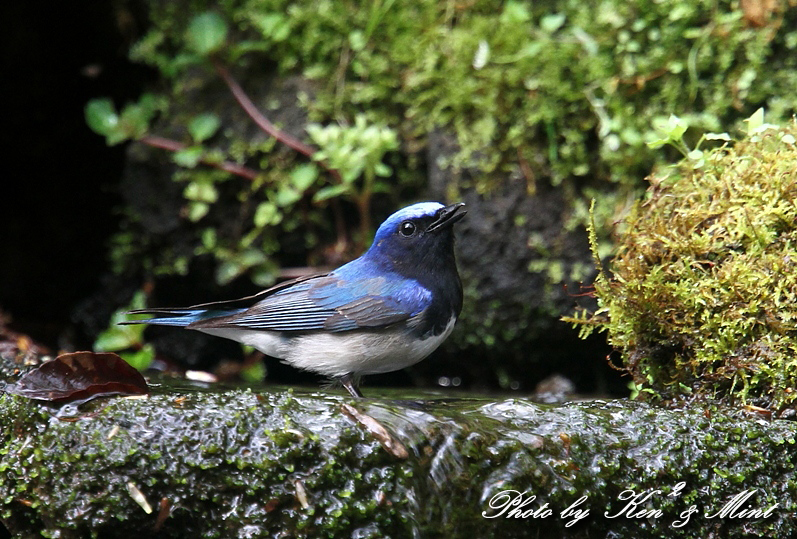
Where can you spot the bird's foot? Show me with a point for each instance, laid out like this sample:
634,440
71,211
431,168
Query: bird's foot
350,383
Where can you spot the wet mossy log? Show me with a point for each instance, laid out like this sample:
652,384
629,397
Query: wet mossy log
193,463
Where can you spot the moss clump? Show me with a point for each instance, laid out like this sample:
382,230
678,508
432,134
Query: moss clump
243,464
703,296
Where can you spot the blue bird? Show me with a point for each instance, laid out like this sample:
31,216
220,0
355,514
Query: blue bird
382,312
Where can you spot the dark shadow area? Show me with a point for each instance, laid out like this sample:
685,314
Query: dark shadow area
60,181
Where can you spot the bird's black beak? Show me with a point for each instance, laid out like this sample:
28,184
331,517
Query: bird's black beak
447,216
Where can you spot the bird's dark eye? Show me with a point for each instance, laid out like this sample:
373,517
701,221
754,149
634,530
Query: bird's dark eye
407,228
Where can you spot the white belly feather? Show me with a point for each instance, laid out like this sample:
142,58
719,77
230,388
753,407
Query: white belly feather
336,354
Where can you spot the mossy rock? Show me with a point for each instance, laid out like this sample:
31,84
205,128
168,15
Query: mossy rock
192,462
702,297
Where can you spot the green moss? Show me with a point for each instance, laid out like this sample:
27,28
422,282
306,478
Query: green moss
702,298
567,90
293,463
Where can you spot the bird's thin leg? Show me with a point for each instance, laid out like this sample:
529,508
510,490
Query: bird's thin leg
348,382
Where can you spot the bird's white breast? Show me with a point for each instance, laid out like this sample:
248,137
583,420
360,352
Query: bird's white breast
337,354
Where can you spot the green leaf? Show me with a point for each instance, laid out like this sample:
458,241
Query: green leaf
286,195
756,124
204,126
264,274
236,266
188,157
319,134
304,176
254,373
101,116
551,23
140,359
197,210
273,26
139,301
350,172
201,191
228,271
671,130
357,40
206,33
267,214
251,257
116,338
209,239
515,12
135,120
381,169
330,192
657,143
675,127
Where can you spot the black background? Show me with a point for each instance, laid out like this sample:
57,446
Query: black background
59,198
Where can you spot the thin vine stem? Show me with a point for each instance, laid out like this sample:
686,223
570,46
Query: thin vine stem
174,146
260,119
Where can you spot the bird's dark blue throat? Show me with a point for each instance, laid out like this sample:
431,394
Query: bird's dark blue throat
428,257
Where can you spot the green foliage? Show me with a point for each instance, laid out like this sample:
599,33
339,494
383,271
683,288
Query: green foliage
576,91
206,34
355,150
132,123
204,126
102,118
672,132
254,373
702,297
128,341
511,75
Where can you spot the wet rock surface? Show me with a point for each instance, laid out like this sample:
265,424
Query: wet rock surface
225,462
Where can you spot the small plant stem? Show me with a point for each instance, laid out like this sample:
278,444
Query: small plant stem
262,122
292,142
174,146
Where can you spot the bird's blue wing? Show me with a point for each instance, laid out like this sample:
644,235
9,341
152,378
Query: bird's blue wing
374,302
330,303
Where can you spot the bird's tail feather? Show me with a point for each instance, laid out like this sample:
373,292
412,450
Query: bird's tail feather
175,317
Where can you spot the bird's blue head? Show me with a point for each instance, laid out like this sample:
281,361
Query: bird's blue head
418,238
